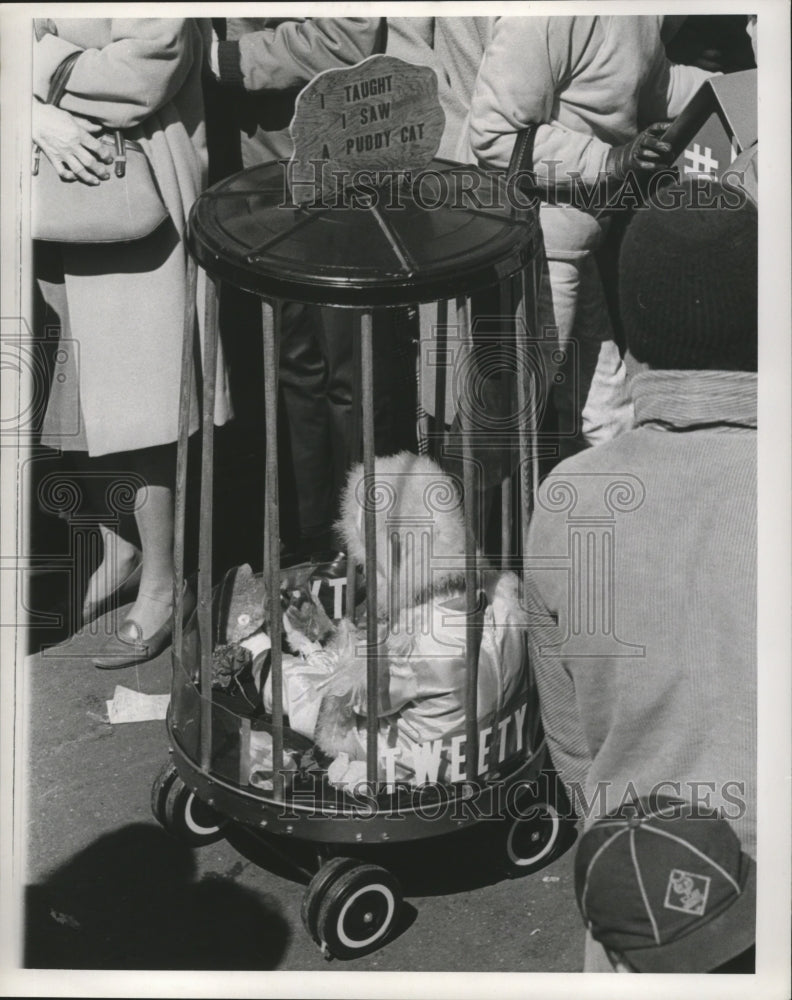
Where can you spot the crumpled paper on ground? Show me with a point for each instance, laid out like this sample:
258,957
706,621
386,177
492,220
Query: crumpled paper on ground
134,706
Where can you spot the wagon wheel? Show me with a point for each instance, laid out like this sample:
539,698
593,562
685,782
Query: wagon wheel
314,894
531,839
160,789
352,908
183,814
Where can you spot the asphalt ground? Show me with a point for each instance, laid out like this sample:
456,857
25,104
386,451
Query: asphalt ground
108,888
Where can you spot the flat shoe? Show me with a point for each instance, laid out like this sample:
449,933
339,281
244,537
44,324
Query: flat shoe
126,591
128,646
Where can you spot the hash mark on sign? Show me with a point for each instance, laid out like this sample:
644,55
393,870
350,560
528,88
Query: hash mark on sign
700,163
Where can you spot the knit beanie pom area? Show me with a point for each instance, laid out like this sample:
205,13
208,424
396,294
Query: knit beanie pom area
688,274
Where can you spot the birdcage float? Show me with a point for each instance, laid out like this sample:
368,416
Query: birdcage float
257,674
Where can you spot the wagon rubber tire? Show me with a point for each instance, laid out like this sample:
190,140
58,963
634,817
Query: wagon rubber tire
160,789
188,818
315,891
358,910
531,840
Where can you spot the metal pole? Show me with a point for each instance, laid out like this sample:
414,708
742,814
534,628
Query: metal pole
354,458
471,586
272,566
394,581
205,529
355,416
180,500
526,428
530,294
268,314
351,578
441,375
507,319
370,527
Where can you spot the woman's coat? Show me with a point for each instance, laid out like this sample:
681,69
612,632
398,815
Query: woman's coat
125,302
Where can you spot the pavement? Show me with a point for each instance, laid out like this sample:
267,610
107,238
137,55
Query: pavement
108,888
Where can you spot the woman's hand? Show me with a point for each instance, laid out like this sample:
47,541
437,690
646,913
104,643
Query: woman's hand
69,145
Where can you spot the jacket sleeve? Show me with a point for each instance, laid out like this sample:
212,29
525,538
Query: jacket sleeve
413,39
668,89
291,54
566,739
526,63
137,73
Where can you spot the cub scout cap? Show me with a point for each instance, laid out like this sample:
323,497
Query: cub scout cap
669,890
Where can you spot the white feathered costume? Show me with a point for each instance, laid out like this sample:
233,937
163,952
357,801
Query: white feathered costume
422,616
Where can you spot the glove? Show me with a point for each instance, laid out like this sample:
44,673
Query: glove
644,154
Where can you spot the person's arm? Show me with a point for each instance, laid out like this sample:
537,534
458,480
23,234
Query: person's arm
566,740
546,594
291,54
669,88
138,72
526,63
413,39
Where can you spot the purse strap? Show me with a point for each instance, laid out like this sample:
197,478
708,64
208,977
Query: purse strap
60,78
521,165
521,161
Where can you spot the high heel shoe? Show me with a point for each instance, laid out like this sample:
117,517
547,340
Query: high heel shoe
128,645
125,592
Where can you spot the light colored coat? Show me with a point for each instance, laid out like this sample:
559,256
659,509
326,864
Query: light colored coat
590,83
453,48
126,306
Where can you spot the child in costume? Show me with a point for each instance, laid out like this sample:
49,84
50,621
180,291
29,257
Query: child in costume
422,627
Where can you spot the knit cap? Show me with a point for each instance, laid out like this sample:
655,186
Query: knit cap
688,279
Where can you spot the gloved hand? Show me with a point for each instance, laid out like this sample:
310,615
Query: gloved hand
644,154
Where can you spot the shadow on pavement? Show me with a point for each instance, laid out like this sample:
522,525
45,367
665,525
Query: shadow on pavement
129,901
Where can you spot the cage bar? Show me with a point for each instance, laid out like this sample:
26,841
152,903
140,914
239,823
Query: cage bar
180,498
272,332
205,528
372,686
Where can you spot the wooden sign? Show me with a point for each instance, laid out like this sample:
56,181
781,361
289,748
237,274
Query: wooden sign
381,115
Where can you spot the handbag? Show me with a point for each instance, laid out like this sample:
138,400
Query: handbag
127,206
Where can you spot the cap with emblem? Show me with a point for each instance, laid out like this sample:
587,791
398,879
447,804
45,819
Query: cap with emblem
669,890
